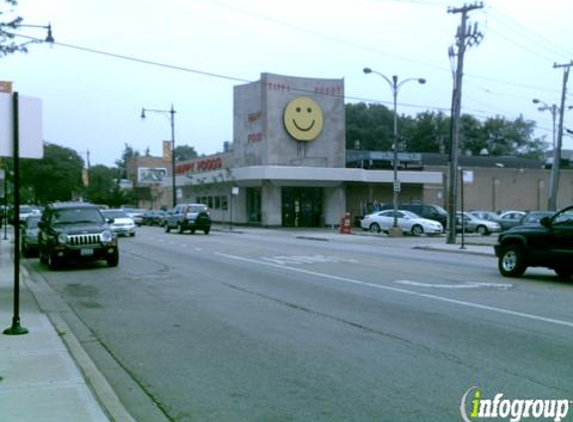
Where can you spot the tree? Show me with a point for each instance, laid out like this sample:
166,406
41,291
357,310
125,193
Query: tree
185,152
55,177
369,126
7,44
129,153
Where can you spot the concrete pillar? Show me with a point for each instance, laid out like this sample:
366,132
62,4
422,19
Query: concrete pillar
271,205
334,204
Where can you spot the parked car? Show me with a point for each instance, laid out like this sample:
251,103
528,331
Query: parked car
486,215
134,213
26,210
472,224
121,223
547,244
510,219
75,231
534,217
407,221
29,236
153,217
430,212
190,217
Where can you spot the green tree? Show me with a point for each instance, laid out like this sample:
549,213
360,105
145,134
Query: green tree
55,177
127,155
7,44
370,126
185,152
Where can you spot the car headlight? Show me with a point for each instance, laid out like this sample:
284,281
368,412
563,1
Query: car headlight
62,238
107,236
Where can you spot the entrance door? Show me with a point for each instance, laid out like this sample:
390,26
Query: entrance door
254,205
302,207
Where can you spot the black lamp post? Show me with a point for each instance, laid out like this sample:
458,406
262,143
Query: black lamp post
171,112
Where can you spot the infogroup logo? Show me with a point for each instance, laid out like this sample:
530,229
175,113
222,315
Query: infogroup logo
473,407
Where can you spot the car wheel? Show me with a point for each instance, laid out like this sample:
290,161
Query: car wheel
53,262
564,273
167,228
113,260
482,230
180,228
25,251
417,230
512,261
43,258
375,228
207,230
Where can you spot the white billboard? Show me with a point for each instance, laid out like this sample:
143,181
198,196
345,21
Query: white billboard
151,175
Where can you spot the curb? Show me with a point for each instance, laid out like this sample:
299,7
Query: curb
49,302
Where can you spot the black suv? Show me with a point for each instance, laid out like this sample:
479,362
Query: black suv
72,230
548,244
189,217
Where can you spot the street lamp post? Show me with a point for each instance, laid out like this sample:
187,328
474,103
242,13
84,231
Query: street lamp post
554,180
395,87
171,113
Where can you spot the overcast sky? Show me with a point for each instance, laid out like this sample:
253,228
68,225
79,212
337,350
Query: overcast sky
200,49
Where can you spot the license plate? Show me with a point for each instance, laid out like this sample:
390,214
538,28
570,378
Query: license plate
86,252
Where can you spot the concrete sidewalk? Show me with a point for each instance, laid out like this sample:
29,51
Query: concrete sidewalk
42,372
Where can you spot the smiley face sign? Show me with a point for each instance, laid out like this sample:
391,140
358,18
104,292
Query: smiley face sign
303,119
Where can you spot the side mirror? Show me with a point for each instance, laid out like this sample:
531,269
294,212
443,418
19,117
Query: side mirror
109,220
545,221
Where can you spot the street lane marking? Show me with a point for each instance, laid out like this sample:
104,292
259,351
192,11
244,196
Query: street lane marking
504,311
464,285
305,259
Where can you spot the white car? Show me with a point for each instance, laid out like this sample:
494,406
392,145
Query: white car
407,221
122,224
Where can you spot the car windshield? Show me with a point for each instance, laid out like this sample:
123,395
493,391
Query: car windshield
196,208
77,216
115,214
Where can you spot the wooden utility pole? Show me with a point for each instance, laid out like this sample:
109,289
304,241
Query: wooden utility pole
467,36
554,182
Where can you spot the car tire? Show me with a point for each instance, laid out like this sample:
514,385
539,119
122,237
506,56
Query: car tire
25,251
417,230
482,230
511,262
53,262
167,228
207,230
113,260
180,229
374,228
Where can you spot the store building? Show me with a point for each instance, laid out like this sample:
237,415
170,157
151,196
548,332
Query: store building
287,163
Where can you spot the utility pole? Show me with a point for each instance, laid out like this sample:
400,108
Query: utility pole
554,182
467,36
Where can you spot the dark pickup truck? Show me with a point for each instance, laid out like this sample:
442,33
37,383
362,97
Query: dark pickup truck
547,244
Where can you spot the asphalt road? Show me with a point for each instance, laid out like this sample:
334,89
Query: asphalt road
269,326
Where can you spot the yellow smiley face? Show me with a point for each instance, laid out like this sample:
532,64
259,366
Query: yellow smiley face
303,119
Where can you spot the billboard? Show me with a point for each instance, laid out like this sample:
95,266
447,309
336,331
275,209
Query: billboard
151,175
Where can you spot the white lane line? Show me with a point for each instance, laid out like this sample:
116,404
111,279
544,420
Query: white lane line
464,285
407,292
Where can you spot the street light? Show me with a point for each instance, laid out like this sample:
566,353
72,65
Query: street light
49,36
172,119
395,87
554,180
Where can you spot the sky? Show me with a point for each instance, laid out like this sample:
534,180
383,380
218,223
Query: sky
113,57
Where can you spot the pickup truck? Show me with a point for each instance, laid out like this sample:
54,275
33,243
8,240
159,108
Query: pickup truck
190,217
547,244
